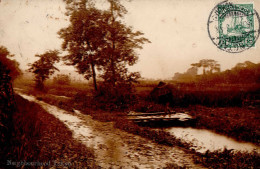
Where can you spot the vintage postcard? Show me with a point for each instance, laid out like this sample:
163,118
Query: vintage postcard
129,83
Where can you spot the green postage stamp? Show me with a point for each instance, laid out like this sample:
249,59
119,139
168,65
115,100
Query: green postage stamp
233,27
236,25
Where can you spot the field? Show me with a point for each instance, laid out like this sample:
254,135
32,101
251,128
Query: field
232,110
229,110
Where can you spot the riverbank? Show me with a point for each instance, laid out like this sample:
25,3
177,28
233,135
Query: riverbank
240,123
207,159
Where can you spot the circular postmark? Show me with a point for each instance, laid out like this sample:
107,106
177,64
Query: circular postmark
233,27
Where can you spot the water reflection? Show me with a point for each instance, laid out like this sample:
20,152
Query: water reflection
179,116
203,140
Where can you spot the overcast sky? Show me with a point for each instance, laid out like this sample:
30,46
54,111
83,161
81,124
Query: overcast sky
176,28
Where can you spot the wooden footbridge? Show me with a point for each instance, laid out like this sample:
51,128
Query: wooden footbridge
162,119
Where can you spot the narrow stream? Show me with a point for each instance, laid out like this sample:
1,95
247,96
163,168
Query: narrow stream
116,148
203,140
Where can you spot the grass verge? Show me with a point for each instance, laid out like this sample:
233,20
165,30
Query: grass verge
228,159
40,137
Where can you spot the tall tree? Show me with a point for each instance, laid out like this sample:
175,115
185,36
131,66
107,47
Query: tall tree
44,67
99,40
8,66
121,44
84,39
209,64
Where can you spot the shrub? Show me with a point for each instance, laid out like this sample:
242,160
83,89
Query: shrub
62,79
120,96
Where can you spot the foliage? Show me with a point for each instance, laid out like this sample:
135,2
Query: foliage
62,79
84,39
247,72
8,66
209,64
209,67
9,70
44,67
75,5
121,42
110,98
98,40
243,73
188,76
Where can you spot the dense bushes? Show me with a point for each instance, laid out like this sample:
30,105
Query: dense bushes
209,98
117,97
184,95
62,79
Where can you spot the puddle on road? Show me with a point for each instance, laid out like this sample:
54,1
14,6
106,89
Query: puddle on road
18,89
64,97
203,140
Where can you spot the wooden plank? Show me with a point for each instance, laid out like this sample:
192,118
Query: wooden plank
160,119
149,114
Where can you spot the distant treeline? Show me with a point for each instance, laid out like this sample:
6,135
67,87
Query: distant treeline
247,72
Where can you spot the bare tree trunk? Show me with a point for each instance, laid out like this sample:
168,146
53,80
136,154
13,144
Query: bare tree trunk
93,70
113,66
94,76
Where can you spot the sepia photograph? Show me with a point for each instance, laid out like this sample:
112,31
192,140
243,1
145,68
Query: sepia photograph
130,84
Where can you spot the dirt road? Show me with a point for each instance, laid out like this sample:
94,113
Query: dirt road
115,148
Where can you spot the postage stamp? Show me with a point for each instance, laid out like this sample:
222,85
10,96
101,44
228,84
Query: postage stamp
233,27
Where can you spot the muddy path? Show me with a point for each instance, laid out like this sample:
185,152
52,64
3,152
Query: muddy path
116,148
